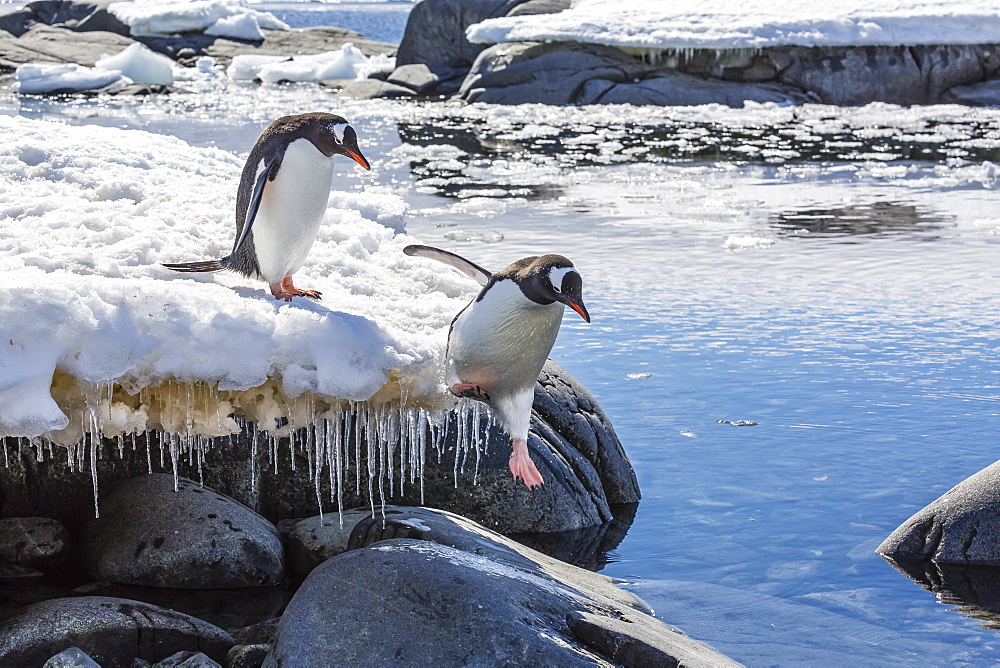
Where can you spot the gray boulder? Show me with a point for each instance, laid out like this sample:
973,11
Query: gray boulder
247,656
112,631
33,541
428,79
983,94
195,538
435,30
369,89
960,527
535,7
675,89
187,659
77,15
48,44
475,598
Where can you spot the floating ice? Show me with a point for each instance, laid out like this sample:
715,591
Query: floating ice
140,64
740,242
224,18
39,78
724,24
348,62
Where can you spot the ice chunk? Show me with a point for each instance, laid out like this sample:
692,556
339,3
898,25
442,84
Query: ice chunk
38,78
724,24
229,18
348,62
140,64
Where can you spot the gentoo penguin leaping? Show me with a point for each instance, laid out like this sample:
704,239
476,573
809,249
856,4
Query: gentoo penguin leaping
499,342
282,198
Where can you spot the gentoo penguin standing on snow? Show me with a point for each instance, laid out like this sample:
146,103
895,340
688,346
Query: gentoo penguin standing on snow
498,344
282,198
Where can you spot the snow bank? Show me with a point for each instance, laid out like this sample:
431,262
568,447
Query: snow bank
345,63
224,18
141,64
38,78
717,24
88,317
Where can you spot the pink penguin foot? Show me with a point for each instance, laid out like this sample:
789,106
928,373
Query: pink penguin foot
469,391
522,467
285,290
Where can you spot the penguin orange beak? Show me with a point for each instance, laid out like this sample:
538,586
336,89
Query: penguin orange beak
579,308
358,158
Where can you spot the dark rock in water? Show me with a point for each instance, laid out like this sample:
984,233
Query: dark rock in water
435,31
974,591
112,631
674,89
317,539
897,74
33,541
247,656
187,660
47,44
147,89
197,538
369,89
78,15
983,94
425,79
961,527
13,573
74,657
485,601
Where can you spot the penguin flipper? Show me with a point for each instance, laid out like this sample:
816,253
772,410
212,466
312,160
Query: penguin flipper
470,269
258,192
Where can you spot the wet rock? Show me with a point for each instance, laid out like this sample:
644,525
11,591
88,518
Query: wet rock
476,598
247,656
675,89
112,631
187,660
79,16
899,75
554,73
369,89
428,80
974,591
33,541
960,527
14,574
148,534
435,31
263,633
983,94
74,657
148,89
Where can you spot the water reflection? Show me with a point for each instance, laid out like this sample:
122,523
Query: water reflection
877,219
589,547
974,591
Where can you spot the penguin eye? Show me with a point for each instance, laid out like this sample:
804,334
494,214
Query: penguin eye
555,287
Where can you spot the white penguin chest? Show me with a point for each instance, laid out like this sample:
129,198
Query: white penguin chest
291,210
502,341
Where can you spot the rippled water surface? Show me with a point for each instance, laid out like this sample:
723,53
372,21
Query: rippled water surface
831,275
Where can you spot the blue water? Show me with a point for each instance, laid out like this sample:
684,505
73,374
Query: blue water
378,21
843,299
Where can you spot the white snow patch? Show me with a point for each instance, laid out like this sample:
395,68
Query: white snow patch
39,78
724,24
224,18
140,64
91,212
347,62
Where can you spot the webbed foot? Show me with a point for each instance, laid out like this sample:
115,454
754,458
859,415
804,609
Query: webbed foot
522,467
469,391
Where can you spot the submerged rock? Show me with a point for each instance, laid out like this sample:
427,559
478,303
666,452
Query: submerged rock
960,527
194,537
112,631
33,541
464,595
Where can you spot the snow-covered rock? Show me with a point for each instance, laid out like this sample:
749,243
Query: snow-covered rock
92,212
347,62
141,65
224,18
752,24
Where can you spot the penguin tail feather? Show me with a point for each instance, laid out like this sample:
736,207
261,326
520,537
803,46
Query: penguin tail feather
197,267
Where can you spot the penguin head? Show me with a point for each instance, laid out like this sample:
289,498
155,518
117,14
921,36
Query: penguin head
337,137
547,279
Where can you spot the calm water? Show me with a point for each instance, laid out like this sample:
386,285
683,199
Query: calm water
831,275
